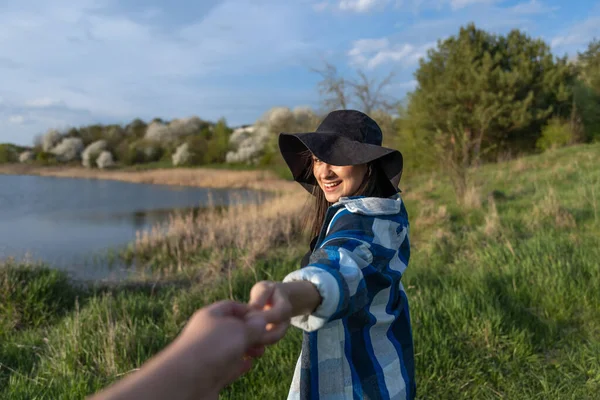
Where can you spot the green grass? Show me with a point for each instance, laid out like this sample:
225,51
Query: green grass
504,295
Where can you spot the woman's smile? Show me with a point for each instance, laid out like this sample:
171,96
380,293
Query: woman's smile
338,181
330,187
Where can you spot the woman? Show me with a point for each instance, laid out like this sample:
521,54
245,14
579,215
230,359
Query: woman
347,297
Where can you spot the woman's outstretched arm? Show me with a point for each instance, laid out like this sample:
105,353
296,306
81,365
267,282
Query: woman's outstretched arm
361,256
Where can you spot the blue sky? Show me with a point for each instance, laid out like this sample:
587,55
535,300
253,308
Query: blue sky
69,63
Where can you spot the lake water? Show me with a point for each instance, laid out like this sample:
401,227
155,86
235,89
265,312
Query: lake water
72,223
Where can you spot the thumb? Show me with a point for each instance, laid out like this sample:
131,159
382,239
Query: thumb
256,326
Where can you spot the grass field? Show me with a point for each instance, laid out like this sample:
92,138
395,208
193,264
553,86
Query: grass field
504,292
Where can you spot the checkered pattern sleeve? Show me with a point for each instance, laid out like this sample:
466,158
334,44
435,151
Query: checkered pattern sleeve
353,257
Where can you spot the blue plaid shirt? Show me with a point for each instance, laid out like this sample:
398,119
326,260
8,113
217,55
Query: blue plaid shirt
358,342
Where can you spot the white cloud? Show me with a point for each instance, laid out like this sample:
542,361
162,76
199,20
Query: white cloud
558,41
362,46
578,35
372,53
405,86
77,63
417,6
16,119
458,4
321,6
361,6
532,7
43,102
410,84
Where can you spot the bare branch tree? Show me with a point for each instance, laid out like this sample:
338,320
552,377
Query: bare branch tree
332,88
367,94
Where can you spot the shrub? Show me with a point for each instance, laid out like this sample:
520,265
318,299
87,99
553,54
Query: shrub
587,109
91,134
305,119
91,153
138,152
240,134
68,150
216,148
105,160
8,154
50,140
152,152
197,147
129,154
26,156
187,126
556,133
160,132
181,155
258,144
251,149
46,158
157,131
136,128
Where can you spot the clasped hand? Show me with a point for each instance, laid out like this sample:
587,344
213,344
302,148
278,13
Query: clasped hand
215,348
232,334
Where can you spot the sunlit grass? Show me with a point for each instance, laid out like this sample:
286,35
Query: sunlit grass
504,294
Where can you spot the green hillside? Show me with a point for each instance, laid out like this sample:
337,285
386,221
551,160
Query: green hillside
504,293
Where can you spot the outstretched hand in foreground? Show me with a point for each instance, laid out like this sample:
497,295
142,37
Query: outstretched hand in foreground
215,348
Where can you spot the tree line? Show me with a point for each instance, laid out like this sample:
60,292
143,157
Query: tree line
479,97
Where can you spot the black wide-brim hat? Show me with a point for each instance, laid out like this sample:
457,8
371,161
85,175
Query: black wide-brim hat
345,137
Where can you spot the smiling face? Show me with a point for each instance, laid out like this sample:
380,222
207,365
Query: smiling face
338,181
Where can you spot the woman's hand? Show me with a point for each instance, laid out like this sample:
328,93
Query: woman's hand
280,302
273,301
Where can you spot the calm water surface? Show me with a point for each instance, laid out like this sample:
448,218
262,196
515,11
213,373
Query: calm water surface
72,223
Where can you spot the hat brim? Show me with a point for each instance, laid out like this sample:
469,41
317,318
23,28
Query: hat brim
335,150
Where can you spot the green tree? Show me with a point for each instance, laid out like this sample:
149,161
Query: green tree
91,133
479,94
8,153
45,158
136,128
197,146
586,92
218,144
590,65
556,134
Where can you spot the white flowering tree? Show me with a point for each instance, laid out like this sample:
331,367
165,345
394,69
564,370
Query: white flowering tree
93,150
105,160
157,132
26,156
50,140
68,150
182,155
160,132
251,144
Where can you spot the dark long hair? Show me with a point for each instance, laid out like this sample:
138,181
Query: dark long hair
374,184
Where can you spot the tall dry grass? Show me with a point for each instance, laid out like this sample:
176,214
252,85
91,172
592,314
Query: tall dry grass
197,177
550,208
220,239
472,197
492,219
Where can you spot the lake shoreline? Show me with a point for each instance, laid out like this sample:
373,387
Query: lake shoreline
97,219
191,177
